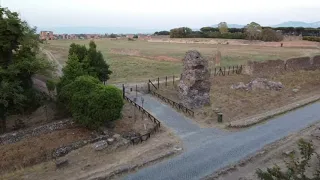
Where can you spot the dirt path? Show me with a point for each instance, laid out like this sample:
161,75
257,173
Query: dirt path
53,59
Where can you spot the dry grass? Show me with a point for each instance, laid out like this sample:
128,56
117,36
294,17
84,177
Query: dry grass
34,150
142,60
132,121
238,104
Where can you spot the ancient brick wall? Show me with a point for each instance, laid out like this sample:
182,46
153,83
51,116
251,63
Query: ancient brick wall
300,63
316,62
269,67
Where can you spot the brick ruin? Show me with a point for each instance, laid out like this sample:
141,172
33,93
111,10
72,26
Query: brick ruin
274,67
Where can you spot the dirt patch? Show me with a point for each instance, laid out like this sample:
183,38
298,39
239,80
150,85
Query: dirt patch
132,121
166,58
85,163
130,52
240,104
268,156
33,150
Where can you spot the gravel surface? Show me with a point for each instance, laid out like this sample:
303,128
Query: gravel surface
208,150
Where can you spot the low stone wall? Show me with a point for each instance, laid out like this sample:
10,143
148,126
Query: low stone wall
14,137
270,67
316,62
274,67
300,63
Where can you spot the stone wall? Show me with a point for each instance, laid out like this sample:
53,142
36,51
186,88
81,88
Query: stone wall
300,63
274,67
271,67
14,137
316,62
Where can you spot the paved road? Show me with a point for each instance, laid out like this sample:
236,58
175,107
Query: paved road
207,150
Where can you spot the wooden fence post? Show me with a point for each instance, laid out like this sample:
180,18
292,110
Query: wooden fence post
219,117
158,82
166,81
123,91
173,79
229,70
149,86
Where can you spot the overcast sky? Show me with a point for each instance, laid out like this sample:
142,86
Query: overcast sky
162,13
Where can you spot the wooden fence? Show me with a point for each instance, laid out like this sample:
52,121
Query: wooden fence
147,135
174,104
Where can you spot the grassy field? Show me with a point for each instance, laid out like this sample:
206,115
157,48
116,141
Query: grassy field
141,60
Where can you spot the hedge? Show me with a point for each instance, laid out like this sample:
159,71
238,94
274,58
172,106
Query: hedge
311,38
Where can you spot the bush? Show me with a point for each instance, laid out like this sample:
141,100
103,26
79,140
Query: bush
296,168
102,105
135,36
91,103
311,38
83,85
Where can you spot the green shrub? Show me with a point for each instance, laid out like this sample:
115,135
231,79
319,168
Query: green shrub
136,36
311,38
83,85
296,167
51,85
101,105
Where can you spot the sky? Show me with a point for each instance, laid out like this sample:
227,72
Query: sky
161,14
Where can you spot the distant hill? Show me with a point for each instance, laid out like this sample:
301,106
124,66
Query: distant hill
298,24
130,30
284,24
97,30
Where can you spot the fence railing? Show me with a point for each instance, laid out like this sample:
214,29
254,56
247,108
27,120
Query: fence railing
222,71
174,104
147,135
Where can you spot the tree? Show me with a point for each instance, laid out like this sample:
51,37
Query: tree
269,34
223,27
296,167
19,47
253,31
181,32
136,36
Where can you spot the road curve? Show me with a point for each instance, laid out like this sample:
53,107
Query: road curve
212,150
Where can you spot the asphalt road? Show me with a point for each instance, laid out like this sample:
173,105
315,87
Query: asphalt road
208,150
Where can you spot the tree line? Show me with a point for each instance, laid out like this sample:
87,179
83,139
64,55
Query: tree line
252,31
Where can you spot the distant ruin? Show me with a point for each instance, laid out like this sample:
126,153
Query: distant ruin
274,67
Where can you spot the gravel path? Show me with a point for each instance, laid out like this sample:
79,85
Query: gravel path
208,150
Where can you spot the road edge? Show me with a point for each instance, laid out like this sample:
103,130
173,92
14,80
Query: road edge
131,168
244,123
266,149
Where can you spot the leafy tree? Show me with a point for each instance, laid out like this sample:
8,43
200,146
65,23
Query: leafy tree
269,34
91,60
181,32
162,33
296,168
253,31
223,27
18,63
136,36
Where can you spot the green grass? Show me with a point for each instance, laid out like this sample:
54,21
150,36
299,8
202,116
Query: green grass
144,64
130,69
